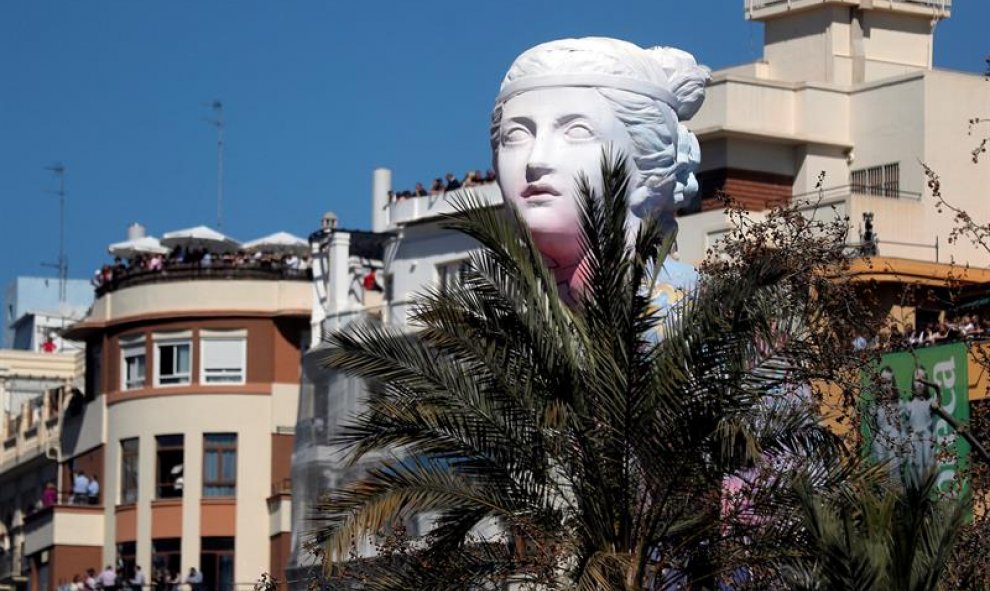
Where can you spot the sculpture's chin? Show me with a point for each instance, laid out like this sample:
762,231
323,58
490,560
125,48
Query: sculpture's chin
552,223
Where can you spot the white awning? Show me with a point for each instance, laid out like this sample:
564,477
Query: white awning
200,237
131,248
279,243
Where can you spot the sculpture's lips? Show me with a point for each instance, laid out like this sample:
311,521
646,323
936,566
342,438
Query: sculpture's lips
541,190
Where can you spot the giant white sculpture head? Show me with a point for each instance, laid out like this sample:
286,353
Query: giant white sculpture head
563,103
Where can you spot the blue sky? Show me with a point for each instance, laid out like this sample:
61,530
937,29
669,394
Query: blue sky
316,93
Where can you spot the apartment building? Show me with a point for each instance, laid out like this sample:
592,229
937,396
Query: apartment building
184,415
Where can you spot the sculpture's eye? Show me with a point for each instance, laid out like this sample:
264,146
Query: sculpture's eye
579,131
515,134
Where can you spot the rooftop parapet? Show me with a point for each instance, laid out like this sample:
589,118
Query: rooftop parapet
418,209
171,272
767,9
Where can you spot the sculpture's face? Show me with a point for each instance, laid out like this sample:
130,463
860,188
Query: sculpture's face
548,136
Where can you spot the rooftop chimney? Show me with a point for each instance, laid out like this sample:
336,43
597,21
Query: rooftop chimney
381,184
135,231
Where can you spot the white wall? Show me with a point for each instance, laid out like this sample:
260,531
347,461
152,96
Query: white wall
421,248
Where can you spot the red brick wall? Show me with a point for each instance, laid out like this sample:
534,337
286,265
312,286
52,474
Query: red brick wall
281,548
282,444
67,561
751,189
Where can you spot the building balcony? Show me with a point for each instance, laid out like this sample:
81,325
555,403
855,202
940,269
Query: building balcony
417,209
223,270
13,568
895,223
761,9
780,112
32,431
64,525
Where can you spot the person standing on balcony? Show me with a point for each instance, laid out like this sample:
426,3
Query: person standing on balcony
80,486
90,579
93,491
452,183
138,581
49,497
108,579
194,579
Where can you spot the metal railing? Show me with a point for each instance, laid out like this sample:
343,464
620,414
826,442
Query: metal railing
195,271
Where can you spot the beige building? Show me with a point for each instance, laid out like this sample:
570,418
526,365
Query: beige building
845,88
34,387
185,417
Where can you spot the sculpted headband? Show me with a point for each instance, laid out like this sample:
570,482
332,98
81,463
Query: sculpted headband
642,87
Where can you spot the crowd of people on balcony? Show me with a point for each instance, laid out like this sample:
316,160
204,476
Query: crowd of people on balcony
440,186
118,579
199,258
955,328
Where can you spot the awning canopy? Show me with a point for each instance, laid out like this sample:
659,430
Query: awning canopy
138,246
279,243
200,237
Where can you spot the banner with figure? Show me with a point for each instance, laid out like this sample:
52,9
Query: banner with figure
900,427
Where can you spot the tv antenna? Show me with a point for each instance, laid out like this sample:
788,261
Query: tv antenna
217,122
62,263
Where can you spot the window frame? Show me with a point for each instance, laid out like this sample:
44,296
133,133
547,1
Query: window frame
159,448
882,180
449,272
208,336
131,348
178,340
219,448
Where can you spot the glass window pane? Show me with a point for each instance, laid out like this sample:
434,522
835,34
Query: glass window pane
226,438
183,358
229,465
166,360
211,466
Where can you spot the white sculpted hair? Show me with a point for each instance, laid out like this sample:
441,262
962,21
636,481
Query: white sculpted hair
649,90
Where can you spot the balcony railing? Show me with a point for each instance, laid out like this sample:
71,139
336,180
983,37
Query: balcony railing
13,567
415,209
193,271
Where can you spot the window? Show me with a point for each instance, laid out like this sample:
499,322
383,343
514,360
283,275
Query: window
448,274
132,363
172,362
126,559
223,357
166,554
94,368
216,561
170,466
884,180
219,464
389,280
128,470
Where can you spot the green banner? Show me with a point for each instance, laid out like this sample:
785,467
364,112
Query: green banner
900,427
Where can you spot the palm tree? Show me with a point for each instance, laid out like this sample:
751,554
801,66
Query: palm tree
876,535
582,446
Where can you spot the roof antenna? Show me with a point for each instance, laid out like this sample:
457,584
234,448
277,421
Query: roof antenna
62,263
217,122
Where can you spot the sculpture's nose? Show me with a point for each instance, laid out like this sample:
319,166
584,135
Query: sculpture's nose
538,164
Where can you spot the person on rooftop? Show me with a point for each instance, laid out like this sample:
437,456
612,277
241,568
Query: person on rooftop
452,183
437,187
